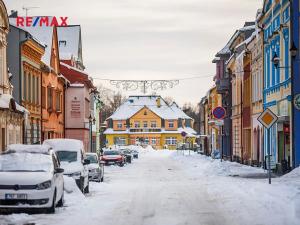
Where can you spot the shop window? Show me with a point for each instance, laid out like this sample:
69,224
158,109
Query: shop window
171,141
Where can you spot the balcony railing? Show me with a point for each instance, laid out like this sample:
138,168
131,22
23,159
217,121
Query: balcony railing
223,85
145,130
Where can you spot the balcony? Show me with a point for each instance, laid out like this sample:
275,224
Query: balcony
223,85
145,130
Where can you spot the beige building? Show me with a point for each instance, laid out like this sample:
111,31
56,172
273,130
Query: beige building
11,114
255,46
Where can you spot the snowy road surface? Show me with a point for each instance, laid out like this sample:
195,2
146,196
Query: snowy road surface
166,188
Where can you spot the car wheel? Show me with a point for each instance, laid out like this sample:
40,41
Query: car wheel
52,208
87,188
61,201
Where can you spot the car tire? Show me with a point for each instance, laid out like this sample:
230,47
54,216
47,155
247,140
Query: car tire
61,201
87,189
51,210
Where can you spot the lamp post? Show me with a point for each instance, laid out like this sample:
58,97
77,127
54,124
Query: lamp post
92,121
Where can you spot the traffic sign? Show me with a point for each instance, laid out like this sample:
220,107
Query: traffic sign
267,118
219,112
297,101
183,133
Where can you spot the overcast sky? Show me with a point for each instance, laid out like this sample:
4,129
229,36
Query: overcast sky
151,39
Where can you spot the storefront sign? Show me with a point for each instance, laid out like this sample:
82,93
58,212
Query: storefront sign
75,109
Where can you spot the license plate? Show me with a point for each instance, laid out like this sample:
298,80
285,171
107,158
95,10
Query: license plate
15,196
111,163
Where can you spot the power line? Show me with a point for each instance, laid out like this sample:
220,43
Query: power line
186,78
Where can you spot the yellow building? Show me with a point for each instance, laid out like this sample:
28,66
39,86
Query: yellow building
149,120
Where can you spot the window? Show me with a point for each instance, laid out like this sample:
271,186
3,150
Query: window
119,125
153,141
146,141
137,124
44,97
58,102
25,87
145,124
49,98
120,141
62,43
153,124
171,124
29,88
171,141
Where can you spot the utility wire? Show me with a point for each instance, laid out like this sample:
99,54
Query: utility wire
187,78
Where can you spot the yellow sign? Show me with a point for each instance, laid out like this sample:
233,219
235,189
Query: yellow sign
267,118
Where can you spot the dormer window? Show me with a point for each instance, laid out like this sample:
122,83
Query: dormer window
62,43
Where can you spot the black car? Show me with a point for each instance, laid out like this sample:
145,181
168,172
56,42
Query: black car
135,154
128,155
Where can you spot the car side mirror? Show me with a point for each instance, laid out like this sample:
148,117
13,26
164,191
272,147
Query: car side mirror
86,162
59,170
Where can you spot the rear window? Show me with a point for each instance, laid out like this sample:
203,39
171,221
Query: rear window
111,153
67,156
92,158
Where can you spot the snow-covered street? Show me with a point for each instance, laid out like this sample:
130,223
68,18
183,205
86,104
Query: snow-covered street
167,188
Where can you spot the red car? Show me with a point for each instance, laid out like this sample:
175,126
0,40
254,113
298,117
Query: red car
113,158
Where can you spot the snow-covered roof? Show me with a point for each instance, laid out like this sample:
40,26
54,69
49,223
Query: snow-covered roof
71,36
5,100
135,103
64,144
43,35
20,148
179,112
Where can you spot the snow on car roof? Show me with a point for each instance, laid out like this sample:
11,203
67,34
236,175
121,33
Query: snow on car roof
64,144
20,148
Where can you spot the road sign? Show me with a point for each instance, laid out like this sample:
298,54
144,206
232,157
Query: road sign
297,101
267,118
219,112
183,133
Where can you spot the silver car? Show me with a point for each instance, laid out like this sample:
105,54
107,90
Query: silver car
96,168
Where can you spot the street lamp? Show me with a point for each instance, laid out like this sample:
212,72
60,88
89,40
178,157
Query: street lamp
293,50
92,121
276,60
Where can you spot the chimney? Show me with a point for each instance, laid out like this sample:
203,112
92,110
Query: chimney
158,103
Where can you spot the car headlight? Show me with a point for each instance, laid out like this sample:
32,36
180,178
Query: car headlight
44,185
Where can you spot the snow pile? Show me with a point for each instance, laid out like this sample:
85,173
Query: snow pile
71,187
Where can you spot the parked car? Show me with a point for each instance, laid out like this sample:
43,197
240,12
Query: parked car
113,157
128,154
96,168
30,177
135,154
71,155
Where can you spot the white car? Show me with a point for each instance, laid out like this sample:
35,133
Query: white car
96,167
71,155
30,177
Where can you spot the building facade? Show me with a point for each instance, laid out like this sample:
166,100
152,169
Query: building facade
80,96
295,71
149,120
12,115
255,47
223,85
277,81
26,78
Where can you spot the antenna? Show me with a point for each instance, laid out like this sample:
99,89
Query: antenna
27,8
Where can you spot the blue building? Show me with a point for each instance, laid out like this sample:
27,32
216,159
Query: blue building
295,16
275,22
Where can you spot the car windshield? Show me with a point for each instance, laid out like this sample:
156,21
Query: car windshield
67,156
92,158
111,153
25,162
